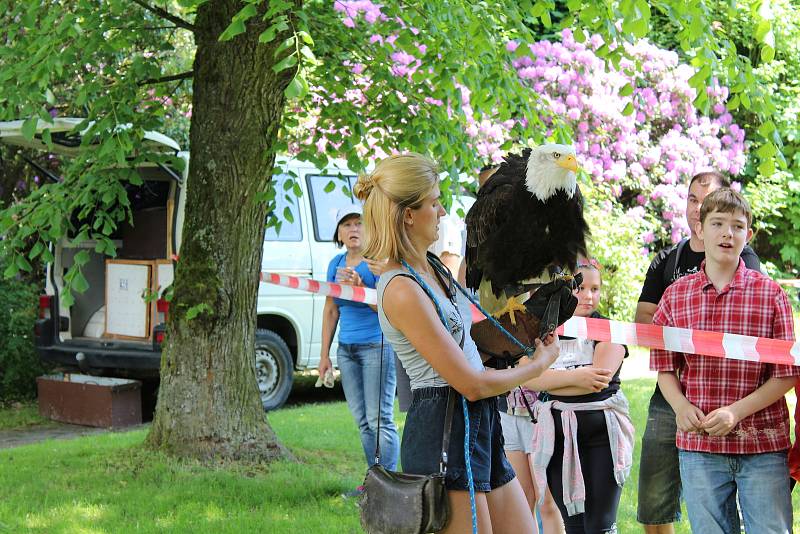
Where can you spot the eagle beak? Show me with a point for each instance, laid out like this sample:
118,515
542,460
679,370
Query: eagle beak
569,163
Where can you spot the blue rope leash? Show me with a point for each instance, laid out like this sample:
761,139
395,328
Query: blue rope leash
528,351
467,456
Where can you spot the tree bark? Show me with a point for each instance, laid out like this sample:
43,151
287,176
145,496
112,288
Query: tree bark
208,403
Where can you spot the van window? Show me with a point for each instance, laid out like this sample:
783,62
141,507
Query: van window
328,194
289,230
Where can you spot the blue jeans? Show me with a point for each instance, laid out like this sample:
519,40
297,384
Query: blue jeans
712,481
360,365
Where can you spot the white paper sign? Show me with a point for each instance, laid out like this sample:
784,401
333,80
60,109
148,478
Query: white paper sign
126,309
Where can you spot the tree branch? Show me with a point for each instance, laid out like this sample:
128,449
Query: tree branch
172,78
164,14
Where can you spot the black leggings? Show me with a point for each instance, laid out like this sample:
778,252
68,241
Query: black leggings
602,492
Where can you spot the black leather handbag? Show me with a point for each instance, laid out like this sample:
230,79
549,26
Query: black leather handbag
403,503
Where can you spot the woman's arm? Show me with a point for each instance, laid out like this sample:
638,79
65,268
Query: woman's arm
411,311
330,318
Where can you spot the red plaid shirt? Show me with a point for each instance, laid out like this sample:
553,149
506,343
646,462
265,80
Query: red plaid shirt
751,305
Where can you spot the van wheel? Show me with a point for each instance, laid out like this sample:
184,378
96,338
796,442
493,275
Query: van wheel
274,369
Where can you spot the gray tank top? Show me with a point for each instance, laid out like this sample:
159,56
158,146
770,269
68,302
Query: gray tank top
419,371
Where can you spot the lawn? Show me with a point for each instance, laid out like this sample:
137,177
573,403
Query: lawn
108,483
20,415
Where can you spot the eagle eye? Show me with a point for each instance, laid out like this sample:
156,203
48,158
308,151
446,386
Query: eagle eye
556,155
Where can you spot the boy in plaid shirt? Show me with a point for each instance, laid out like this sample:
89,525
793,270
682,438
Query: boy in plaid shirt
733,423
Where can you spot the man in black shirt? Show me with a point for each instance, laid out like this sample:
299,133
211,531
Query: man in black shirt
659,474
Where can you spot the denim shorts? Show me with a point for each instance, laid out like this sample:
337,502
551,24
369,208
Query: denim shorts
659,469
517,432
421,448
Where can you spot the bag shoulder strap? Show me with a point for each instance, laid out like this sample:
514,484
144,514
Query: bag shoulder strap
674,261
448,424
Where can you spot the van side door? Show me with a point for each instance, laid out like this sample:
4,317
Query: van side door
286,251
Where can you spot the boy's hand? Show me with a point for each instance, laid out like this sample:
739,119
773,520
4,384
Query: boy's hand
689,418
592,378
721,421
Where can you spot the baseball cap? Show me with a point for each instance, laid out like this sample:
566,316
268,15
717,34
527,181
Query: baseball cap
351,209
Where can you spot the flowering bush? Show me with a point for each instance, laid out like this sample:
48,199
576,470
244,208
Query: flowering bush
638,136
635,127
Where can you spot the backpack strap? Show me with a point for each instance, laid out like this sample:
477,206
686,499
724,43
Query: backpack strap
673,261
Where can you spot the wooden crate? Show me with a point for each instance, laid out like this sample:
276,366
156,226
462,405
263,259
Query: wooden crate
128,313
90,400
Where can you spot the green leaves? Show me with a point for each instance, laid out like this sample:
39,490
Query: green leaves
764,33
196,310
237,25
636,17
286,63
29,128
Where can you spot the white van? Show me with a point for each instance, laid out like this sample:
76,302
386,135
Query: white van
112,329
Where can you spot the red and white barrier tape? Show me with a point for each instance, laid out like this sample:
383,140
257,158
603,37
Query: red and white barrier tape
367,295
733,346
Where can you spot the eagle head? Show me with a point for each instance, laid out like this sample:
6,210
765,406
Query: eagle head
551,167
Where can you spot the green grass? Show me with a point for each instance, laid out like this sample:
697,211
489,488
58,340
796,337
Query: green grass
109,483
20,415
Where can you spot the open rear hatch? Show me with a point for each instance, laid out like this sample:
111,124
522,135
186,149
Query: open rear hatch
123,307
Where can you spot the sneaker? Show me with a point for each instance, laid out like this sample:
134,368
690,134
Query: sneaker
353,492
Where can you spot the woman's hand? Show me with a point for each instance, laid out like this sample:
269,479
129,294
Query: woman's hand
545,354
348,276
325,364
377,267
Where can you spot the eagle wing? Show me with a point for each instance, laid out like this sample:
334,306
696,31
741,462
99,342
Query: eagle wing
489,213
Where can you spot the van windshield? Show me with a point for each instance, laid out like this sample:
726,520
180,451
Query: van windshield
328,194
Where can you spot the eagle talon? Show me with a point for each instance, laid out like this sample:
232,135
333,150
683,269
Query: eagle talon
512,305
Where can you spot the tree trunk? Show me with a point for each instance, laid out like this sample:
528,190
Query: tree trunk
208,403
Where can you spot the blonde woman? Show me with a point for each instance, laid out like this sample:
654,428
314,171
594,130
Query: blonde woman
415,300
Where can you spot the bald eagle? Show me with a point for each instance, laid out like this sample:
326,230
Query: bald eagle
526,225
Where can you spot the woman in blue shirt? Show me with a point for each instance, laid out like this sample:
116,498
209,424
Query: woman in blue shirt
359,354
